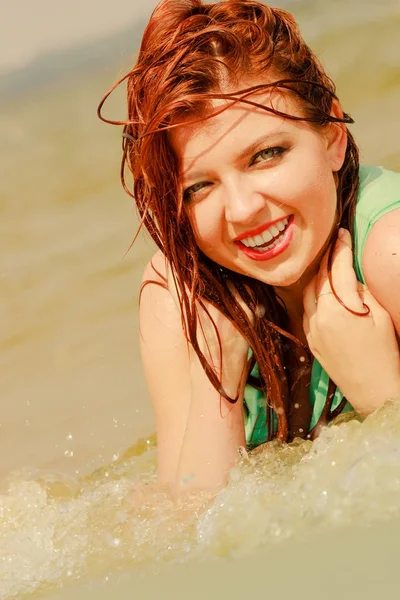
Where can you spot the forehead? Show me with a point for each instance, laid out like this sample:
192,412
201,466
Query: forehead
232,125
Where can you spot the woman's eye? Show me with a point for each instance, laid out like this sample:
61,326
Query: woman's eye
267,154
189,192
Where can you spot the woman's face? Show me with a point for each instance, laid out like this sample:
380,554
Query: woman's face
259,189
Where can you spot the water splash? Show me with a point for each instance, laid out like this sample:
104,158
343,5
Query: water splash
55,529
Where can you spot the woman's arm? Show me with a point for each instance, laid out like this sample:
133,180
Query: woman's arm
359,353
198,431
381,264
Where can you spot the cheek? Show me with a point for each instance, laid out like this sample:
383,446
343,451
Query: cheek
306,179
313,191
323,217
323,210
207,225
320,191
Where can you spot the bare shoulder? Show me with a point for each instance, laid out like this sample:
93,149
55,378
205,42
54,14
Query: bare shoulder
159,313
156,268
381,263
158,272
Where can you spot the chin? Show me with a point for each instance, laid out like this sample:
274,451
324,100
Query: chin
285,282
283,278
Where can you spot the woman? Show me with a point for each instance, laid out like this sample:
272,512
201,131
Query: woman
273,302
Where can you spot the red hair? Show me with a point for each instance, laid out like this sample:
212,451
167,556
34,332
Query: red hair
192,53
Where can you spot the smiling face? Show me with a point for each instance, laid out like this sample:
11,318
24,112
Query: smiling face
259,189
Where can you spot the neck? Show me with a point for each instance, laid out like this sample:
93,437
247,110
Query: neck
292,295
293,300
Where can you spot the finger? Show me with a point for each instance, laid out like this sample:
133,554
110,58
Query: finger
306,326
361,287
322,283
375,308
310,307
310,298
343,275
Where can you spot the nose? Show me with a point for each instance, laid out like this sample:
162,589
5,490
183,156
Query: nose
242,202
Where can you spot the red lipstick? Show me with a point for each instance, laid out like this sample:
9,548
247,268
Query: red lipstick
267,253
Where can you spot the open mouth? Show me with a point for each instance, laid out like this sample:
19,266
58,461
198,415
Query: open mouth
270,242
269,238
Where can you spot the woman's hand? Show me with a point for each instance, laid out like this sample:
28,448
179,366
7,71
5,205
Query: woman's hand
222,344
359,353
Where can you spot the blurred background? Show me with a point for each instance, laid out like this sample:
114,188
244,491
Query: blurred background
72,392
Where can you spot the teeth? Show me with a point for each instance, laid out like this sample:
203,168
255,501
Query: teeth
266,236
274,230
281,226
275,243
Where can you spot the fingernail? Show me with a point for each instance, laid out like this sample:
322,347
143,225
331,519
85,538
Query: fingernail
344,235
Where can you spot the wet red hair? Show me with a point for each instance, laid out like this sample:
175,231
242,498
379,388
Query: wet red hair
192,53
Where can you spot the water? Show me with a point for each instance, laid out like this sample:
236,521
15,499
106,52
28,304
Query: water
80,514
117,523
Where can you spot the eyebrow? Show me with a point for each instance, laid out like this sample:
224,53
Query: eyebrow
264,141
259,144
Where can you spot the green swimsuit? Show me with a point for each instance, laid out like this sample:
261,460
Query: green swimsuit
379,194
